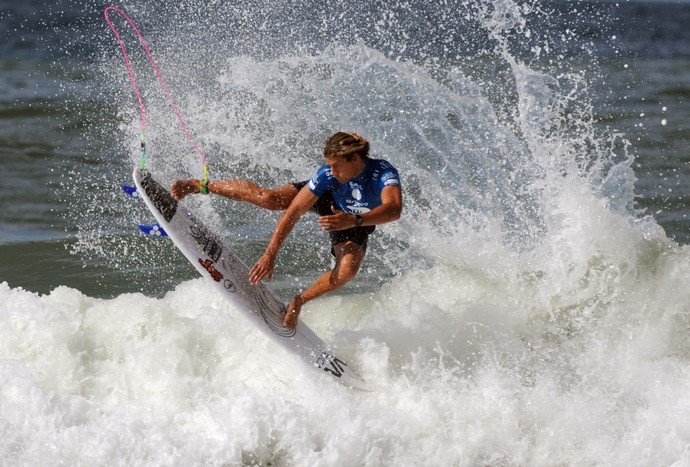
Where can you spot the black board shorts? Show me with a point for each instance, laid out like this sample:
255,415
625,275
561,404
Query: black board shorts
323,207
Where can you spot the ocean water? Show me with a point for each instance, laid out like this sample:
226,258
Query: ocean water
530,308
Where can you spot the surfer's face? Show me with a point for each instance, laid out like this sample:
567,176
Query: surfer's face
344,170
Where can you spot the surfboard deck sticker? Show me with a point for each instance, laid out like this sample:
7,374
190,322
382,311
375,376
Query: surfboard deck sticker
225,269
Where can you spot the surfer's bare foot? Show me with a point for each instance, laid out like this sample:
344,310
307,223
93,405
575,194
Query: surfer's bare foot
293,310
181,188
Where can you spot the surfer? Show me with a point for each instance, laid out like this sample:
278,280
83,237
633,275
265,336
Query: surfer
352,193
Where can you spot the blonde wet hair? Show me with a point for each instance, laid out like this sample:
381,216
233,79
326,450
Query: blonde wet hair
346,146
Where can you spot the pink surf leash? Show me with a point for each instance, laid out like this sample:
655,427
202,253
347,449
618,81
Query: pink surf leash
142,162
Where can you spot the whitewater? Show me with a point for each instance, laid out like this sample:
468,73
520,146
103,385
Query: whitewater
524,310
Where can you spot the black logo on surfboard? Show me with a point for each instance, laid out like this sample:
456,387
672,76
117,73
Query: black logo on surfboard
265,305
208,242
331,364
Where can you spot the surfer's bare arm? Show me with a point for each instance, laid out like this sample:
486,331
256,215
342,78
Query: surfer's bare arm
304,200
389,211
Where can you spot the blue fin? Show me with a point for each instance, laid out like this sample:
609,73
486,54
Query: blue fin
154,230
130,190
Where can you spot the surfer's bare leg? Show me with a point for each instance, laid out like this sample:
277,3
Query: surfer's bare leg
348,259
244,190
240,190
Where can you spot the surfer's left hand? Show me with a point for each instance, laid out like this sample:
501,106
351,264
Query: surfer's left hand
263,268
339,220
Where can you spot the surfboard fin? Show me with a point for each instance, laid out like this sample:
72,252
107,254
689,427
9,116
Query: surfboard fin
154,230
130,190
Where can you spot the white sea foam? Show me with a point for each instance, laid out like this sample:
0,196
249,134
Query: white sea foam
575,352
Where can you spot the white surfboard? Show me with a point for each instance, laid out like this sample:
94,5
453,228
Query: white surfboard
222,267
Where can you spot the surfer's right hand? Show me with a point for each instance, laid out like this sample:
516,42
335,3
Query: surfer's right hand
263,268
181,188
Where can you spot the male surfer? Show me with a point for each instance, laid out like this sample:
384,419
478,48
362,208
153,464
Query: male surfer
351,193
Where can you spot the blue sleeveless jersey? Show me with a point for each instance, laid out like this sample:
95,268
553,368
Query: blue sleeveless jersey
362,193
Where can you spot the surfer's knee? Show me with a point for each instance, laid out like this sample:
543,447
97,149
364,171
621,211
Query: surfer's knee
349,257
277,199
274,201
341,276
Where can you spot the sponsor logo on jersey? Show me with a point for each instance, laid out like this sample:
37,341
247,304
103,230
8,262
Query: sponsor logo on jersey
356,191
390,179
358,209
